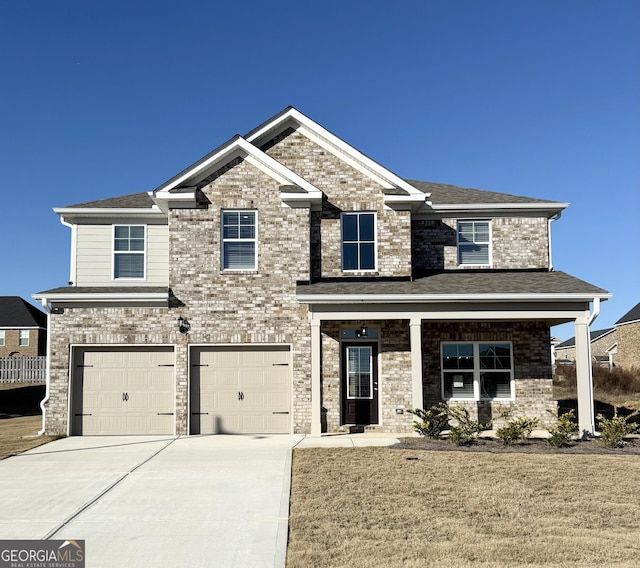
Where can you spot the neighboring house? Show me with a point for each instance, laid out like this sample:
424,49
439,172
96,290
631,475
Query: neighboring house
601,343
23,328
286,283
628,339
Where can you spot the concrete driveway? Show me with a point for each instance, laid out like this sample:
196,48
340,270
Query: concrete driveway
154,501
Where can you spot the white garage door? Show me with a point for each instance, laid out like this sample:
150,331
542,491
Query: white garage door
245,390
123,391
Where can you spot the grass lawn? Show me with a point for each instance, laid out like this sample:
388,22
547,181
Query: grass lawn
20,418
384,507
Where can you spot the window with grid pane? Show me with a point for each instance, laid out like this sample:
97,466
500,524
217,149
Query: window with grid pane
358,241
1,337
239,240
128,251
359,372
473,243
477,371
23,338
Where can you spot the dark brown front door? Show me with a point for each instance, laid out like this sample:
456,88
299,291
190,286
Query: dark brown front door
359,383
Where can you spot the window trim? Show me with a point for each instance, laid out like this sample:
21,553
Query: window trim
488,243
143,252
254,240
344,214
20,340
477,395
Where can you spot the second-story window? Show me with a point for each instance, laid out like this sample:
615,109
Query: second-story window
1,337
23,338
239,240
128,251
358,241
474,243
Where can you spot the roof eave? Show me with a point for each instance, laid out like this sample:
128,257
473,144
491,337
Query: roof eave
438,298
74,213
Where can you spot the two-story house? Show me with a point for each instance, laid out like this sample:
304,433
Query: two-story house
286,282
23,328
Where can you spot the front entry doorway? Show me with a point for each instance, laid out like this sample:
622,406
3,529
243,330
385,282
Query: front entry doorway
359,383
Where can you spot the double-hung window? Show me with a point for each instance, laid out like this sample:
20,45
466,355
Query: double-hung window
239,240
23,338
358,241
1,337
477,371
128,251
474,243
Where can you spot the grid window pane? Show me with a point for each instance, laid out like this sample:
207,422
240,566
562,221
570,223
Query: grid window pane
239,240
358,241
457,356
128,246
473,242
23,338
1,337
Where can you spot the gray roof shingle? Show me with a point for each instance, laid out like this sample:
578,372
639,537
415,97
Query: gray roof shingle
632,315
132,201
445,194
592,337
461,282
16,312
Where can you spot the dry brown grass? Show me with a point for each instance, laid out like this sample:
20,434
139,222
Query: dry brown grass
20,418
381,507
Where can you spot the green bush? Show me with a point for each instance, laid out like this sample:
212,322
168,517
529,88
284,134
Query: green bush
466,430
517,430
564,429
613,430
432,421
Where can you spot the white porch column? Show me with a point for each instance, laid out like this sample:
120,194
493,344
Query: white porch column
586,418
415,333
316,403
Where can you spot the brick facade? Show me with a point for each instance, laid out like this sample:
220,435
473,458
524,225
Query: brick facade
628,353
12,348
259,307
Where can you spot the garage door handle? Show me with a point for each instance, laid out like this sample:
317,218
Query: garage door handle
280,365
84,414
240,396
279,413
165,413
125,396
198,413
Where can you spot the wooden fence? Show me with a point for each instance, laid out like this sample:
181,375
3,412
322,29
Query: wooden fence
23,369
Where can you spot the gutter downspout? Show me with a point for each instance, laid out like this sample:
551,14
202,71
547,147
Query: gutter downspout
592,318
44,401
72,263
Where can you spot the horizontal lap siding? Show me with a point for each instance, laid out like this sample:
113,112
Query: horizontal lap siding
94,256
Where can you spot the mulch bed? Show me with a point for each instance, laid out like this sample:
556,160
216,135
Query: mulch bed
531,446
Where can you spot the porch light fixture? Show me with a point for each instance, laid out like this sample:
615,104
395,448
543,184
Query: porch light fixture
183,325
362,332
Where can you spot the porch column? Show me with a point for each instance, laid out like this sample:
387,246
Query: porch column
586,419
415,334
316,403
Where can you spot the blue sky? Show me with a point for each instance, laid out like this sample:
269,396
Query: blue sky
106,98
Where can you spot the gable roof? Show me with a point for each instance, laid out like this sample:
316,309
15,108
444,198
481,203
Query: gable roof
633,315
395,188
593,336
18,313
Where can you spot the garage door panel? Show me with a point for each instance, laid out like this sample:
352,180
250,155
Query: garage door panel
123,391
237,389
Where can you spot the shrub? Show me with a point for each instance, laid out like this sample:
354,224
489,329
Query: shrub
432,421
613,430
466,430
517,430
564,429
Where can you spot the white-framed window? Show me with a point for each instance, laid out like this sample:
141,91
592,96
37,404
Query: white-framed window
129,251
23,338
474,243
239,240
2,338
358,235
477,370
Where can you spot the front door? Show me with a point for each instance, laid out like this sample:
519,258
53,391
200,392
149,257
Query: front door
360,383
